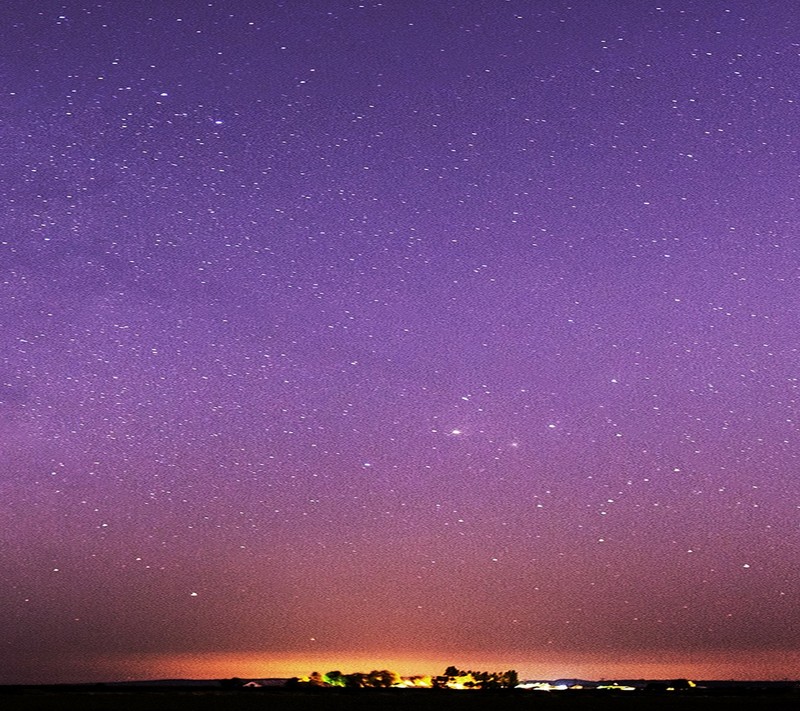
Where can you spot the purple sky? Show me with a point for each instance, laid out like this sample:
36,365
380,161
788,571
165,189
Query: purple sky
405,332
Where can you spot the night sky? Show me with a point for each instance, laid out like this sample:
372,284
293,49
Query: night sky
341,335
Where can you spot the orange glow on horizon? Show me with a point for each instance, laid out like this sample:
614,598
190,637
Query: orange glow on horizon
713,665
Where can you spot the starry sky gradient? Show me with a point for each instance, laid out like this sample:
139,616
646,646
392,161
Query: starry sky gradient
399,333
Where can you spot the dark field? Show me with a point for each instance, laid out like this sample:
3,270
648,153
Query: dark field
32,699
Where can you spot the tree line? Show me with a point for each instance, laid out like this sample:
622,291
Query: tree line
453,678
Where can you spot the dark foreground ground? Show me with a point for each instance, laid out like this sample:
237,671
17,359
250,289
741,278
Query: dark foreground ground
95,699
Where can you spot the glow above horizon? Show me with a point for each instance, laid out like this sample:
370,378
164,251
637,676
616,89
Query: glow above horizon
404,331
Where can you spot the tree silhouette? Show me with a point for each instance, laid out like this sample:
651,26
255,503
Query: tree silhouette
383,678
335,678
